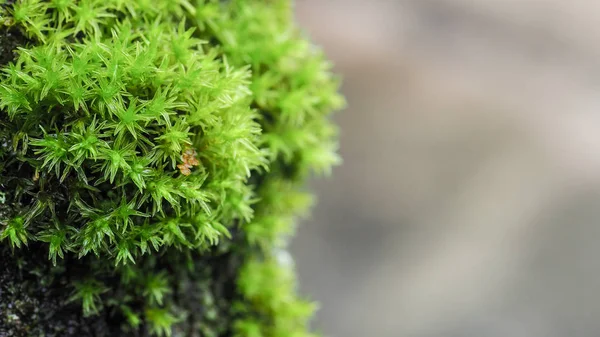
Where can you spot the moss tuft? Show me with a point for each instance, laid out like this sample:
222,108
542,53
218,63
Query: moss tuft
154,152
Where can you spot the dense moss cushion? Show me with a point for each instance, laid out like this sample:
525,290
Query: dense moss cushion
152,155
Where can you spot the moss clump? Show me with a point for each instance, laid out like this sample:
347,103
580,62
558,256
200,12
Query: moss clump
154,152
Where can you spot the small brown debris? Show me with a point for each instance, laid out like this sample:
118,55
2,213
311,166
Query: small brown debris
189,160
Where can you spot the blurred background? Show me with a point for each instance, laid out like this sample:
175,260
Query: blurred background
469,200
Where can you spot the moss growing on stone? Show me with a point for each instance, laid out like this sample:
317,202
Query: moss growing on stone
152,155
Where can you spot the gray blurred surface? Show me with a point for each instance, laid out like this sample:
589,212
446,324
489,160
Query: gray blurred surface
469,200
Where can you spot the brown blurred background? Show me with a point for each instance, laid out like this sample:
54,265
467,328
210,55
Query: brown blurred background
469,200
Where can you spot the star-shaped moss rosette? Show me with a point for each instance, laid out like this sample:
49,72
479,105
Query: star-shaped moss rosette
152,156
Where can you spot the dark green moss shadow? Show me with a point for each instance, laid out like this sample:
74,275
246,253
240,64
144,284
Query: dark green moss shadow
10,39
35,296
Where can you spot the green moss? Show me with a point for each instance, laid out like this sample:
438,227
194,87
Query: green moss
155,152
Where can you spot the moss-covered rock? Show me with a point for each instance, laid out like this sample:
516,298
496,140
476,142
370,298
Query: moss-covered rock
152,155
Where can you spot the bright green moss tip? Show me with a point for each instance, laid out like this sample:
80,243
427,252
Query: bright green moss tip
152,156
